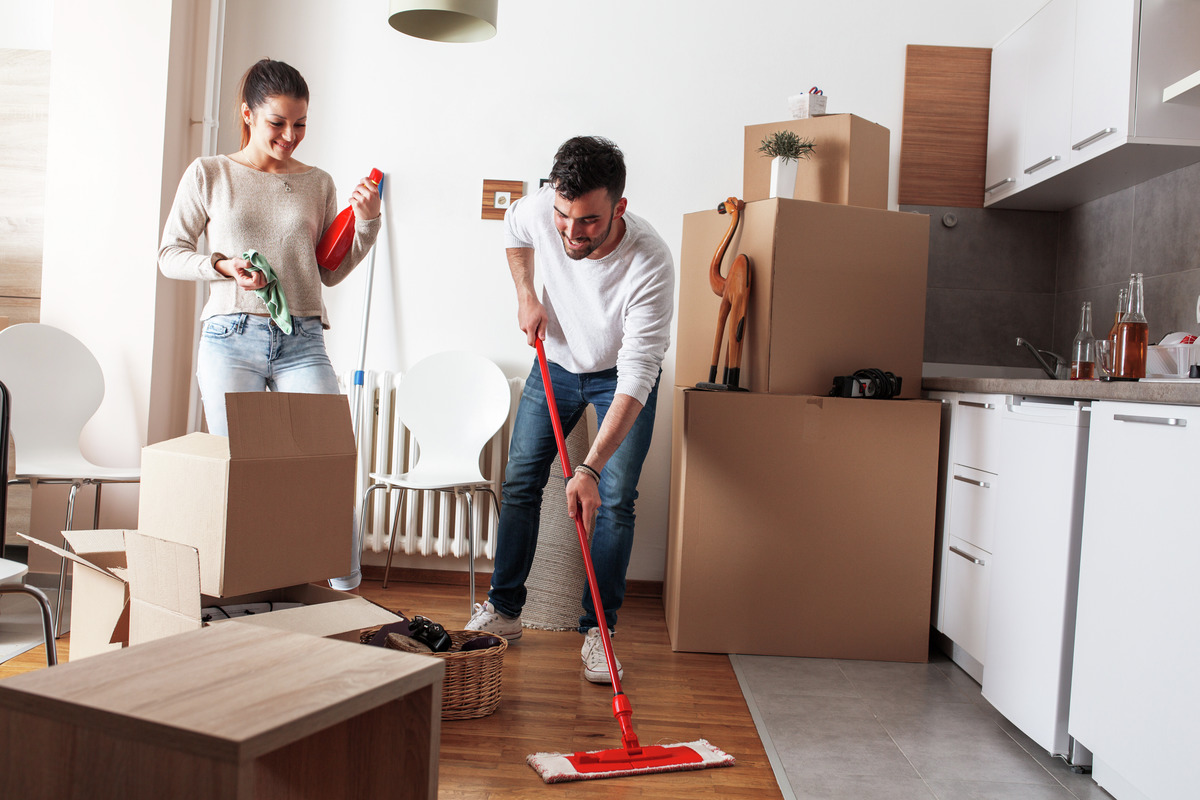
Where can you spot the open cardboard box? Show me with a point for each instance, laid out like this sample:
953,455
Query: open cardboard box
271,505
129,588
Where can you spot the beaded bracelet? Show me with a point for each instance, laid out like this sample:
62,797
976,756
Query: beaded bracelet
593,474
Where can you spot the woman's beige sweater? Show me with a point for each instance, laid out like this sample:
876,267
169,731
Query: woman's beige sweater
237,208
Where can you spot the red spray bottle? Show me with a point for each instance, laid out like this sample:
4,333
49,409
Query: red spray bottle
334,245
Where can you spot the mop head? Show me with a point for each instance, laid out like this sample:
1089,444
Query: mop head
561,767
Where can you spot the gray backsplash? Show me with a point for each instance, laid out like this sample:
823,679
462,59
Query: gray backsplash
996,274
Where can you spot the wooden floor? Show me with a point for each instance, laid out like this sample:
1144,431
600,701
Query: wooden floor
547,706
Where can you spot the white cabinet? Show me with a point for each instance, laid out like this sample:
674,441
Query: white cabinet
1083,81
1135,693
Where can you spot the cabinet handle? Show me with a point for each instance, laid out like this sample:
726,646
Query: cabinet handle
997,185
968,556
1095,137
1045,162
973,404
973,482
1174,422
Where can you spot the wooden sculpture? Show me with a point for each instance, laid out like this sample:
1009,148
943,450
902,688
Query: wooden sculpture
734,292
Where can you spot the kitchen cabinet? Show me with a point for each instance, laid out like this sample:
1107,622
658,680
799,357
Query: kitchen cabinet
970,489
1083,82
1134,693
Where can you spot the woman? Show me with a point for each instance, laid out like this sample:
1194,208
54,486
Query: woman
262,199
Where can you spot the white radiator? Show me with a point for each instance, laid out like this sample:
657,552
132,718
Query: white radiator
433,523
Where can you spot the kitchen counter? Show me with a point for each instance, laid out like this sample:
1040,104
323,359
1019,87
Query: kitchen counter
1172,392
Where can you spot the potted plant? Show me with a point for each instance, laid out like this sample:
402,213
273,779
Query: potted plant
785,149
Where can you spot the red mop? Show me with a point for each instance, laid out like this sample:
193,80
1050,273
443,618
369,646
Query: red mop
631,758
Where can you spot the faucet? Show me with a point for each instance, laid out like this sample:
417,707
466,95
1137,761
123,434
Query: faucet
1060,363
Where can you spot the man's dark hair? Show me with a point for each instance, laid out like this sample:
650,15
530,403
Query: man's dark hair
587,163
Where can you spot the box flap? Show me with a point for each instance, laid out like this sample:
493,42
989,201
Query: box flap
279,424
164,587
105,549
324,619
199,445
105,558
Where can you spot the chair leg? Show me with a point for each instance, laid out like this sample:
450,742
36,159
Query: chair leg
62,562
470,550
360,535
392,533
47,618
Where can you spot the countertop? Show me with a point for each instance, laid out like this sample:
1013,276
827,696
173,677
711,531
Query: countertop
1173,392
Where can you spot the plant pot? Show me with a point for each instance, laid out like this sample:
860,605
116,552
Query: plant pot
783,177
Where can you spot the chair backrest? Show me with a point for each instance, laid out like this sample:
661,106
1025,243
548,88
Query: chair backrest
453,403
56,386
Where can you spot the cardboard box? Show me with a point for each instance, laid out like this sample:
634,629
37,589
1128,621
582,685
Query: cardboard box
165,598
849,164
833,289
99,590
801,525
128,588
271,505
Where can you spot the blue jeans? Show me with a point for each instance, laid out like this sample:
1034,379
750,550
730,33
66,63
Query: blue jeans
249,353
530,454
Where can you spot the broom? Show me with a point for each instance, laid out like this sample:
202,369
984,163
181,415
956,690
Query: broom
631,758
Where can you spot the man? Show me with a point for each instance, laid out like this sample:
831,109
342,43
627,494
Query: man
604,316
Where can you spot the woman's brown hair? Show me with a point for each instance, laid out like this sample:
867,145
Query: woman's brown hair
264,79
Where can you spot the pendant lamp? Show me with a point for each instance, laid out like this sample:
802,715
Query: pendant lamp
444,20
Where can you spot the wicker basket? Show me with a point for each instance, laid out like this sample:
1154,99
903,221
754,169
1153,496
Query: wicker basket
471,688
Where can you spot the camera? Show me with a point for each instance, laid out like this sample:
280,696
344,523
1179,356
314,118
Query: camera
430,634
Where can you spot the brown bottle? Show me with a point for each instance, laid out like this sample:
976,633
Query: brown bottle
1133,335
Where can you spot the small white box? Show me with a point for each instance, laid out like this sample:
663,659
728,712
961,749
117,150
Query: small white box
806,105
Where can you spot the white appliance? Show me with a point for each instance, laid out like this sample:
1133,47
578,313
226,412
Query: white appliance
1035,568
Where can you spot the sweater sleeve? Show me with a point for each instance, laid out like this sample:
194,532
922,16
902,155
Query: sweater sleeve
177,254
517,232
366,231
647,326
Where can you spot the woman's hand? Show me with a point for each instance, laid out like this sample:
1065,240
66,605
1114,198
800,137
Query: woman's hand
239,270
365,200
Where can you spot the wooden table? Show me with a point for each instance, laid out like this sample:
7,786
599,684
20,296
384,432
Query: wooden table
228,711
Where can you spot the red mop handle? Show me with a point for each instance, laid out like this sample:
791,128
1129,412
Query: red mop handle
621,708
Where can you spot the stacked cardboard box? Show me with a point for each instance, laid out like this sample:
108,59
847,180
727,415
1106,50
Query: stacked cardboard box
802,524
254,517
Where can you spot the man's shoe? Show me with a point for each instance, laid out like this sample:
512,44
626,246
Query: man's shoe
595,665
487,618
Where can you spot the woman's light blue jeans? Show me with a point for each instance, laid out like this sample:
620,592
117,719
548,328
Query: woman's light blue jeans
530,455
249,353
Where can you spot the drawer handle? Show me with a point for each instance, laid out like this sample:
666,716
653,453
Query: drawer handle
997,185
968,556
1174,422
1095,137
1045,162
973,482
973,404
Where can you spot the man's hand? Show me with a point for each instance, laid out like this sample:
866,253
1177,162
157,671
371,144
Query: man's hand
532,318
583,493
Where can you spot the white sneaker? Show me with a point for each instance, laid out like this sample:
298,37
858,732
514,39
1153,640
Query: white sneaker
486,618
595,665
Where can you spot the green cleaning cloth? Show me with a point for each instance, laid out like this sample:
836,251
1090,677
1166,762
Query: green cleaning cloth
272,293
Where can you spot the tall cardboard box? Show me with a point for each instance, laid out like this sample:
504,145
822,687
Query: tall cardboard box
801,525
833,289
271,505
848,165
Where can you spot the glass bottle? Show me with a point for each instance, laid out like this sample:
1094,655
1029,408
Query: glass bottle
1083,349
1133,334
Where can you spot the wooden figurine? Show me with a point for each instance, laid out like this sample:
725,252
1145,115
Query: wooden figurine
734,291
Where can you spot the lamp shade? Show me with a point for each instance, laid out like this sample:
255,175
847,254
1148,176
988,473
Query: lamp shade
444,20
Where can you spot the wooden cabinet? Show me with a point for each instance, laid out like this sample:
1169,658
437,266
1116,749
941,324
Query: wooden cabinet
1133,694
1081,87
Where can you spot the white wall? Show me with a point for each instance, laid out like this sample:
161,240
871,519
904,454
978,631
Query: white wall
26,25
673,83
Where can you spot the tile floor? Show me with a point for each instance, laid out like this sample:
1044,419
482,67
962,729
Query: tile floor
889,731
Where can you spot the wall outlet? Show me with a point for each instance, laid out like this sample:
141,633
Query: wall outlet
502,200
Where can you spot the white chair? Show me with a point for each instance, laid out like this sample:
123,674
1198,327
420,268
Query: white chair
11,574
56,385
452,403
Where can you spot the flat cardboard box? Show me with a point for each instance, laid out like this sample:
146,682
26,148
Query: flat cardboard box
271,505
99,590
849,164
165,599
801,525
833,289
